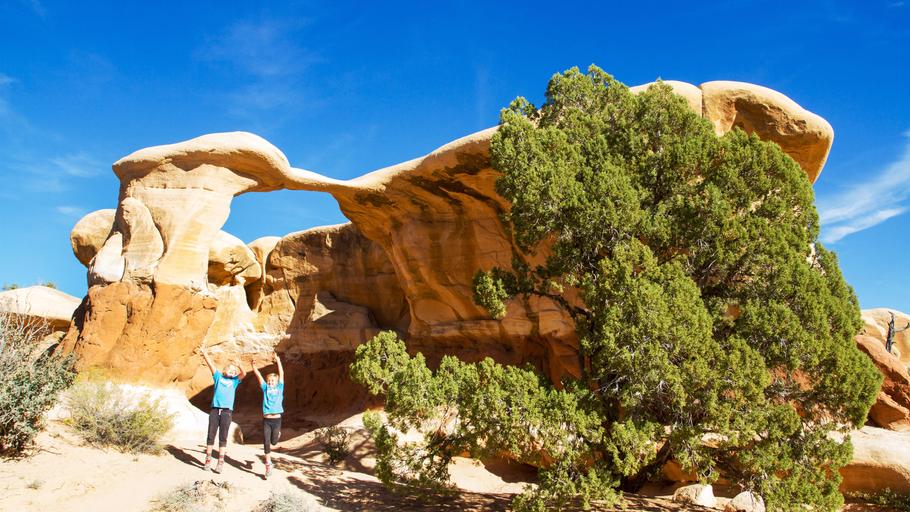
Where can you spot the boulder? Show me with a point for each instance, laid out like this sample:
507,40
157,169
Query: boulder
231,261
696,494
881,460
745,502
261,248
892,408
90,233
41,304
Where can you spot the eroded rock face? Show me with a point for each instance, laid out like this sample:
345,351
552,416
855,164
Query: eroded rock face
139,334
167,279
329,288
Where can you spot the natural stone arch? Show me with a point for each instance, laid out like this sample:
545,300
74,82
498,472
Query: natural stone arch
435,220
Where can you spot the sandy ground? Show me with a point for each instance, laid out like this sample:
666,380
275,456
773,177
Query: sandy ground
65,475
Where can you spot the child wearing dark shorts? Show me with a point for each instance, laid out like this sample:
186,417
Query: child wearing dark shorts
222,408
272,408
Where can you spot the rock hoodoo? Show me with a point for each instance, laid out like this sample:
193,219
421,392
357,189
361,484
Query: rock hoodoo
165,279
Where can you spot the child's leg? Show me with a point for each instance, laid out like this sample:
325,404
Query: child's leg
210,438
224,425
276,431
266,437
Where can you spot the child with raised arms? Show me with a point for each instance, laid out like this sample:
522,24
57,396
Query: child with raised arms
272,408
222,408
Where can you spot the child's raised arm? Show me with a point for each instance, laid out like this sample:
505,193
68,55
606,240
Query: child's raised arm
280,368
208,361
240,369
256,371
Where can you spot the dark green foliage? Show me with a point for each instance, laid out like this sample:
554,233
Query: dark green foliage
31,378
886,498
715,328
335,442
483,409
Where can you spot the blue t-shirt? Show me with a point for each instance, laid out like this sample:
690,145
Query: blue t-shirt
272,398
225,388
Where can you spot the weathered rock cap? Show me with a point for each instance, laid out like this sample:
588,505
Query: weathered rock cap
805,136
263,166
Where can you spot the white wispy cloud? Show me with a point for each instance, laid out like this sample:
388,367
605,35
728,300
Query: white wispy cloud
73,212
267,61
79,165
869,203
36,6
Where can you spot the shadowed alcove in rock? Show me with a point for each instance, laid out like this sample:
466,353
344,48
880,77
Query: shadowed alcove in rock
324,289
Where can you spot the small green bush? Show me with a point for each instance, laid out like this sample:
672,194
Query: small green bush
199,496
886,498
287,501
335,440
104,416
31,378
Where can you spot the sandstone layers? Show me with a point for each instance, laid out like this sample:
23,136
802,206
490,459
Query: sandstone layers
164,279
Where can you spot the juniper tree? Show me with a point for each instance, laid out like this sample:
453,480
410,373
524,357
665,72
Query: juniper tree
715,329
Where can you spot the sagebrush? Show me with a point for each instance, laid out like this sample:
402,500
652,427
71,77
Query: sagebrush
32,376
106,416
199,496
288,501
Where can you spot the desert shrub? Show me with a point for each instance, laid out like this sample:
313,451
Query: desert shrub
105,416
704,303
335,442
31,378
886,498
199,496
288,501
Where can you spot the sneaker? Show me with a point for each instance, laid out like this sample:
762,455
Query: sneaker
220,467
208,464
268,471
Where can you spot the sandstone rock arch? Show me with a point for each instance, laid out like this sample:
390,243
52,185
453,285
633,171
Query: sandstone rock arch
164,278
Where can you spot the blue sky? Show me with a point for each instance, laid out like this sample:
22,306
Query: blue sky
347,87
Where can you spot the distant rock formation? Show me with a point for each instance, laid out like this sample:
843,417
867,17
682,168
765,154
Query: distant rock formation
41,304
165,279
892,408
875,325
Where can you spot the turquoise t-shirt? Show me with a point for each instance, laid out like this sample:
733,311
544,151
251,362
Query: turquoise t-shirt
272,398
225,389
